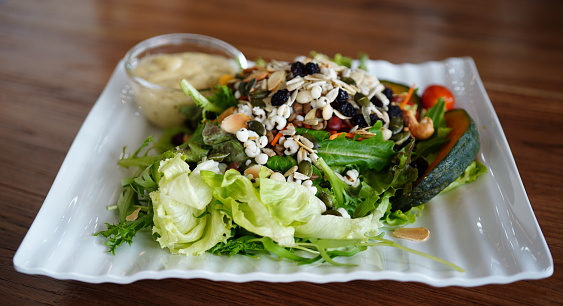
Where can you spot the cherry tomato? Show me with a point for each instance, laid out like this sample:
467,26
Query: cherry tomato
433,92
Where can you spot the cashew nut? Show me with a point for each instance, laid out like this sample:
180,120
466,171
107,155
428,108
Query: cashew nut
420,130
235,122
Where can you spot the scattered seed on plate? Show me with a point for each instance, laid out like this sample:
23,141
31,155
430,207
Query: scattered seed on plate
418,234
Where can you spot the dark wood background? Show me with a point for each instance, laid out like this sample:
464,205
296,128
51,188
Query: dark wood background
56,57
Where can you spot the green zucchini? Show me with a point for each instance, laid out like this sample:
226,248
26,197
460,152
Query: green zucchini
456,155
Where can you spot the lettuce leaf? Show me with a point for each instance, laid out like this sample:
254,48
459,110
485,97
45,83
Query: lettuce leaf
399,218
290,203
373,153
344,198
183,219
474,170
335,227
281,163
242,200
282,211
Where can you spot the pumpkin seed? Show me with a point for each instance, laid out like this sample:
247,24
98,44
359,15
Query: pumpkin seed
260,94
249,86
257,127
326,199
332,212
219,157
331,95
305,167
349,81
396,124
242,88
401,137
361,99
257,102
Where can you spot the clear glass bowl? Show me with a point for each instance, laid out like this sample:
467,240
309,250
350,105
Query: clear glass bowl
160,103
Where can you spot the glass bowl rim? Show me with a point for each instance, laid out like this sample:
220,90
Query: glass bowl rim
178,39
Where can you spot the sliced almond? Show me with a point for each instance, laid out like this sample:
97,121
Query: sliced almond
304,96
275,79
290,171
418,234
229,111
311,114
134,215
254,171
260,75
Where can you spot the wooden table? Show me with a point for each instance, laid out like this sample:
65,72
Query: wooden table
56,57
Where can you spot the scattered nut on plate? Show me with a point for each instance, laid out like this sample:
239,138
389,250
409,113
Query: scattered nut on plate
413,233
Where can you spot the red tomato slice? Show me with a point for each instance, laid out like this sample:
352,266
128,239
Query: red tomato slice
433,92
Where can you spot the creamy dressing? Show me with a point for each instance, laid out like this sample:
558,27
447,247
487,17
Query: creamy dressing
160,106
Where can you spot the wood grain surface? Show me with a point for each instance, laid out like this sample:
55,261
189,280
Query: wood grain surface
56,57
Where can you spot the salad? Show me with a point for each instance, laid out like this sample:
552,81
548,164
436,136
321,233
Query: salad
308,160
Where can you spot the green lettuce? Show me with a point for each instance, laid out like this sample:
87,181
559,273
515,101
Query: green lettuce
184,221
373,153
336,227
474,170
242,201
291,204
282,211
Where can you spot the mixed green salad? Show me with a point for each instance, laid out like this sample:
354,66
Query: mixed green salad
308,160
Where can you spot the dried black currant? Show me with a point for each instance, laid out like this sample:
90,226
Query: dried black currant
360,121
342,96
375,100
388,92
394,111
280,97
346,109
312,68
374,118
298,69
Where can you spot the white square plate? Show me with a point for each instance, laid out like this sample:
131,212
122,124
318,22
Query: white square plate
487,227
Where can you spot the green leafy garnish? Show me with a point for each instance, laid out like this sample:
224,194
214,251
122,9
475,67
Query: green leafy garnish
124,232
281,163
222,99
371,153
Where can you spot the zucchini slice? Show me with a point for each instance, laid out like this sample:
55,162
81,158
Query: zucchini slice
456,155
